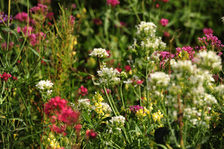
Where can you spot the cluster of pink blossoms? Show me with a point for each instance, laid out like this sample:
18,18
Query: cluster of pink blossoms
187,49
40,8
83,91
164,22
5,76
135,108
211,40
207,31
34,38
4,45
59,112
113,2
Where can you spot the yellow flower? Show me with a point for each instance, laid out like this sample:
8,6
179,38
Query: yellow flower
157,116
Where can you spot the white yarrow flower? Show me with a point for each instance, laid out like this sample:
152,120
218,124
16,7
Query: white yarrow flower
99,52
44,84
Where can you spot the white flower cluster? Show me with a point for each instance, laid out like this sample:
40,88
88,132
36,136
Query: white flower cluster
154,43
45,85
159,79
183,66
222,19
106,108
147,28
99,52
209,60
195,116
118,120
108,75
209,99
220,90
84,103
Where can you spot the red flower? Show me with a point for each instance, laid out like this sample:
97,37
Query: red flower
139,82
166,34
127,68
91,134
164,22
83,91
165,1
118,69
113,2
78,128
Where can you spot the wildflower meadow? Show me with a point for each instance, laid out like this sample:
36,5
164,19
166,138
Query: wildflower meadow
111,74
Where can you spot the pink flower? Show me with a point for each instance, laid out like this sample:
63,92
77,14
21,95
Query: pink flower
73,6
135,108
97,21
5,76
22,16
207,31
127,67
83,91
54,105
78,128
39,8
27,30
139,82
157,5
166,34
72,20
91,134
113,2
108,91
50,15
164,22
14,78
68,116
118,69
165,1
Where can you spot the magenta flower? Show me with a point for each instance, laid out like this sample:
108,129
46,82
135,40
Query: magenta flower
22,16
5,76
83,91
97,21
164,22
127,68
135,108
113,2
207,31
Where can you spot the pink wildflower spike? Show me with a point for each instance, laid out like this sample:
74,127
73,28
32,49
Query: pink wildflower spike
83,91
139,82
164,22
91,134
118,69
113,2
166,34
165,1
22,16
127,68
207,31
97,21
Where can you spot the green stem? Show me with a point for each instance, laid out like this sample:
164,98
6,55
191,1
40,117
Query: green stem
108,98
121,94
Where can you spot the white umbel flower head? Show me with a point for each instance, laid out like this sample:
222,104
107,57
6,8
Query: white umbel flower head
159,79
209,60
148,28
222,19
108,75
185,66
44,85
118,120
106,108
85,103
99,52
